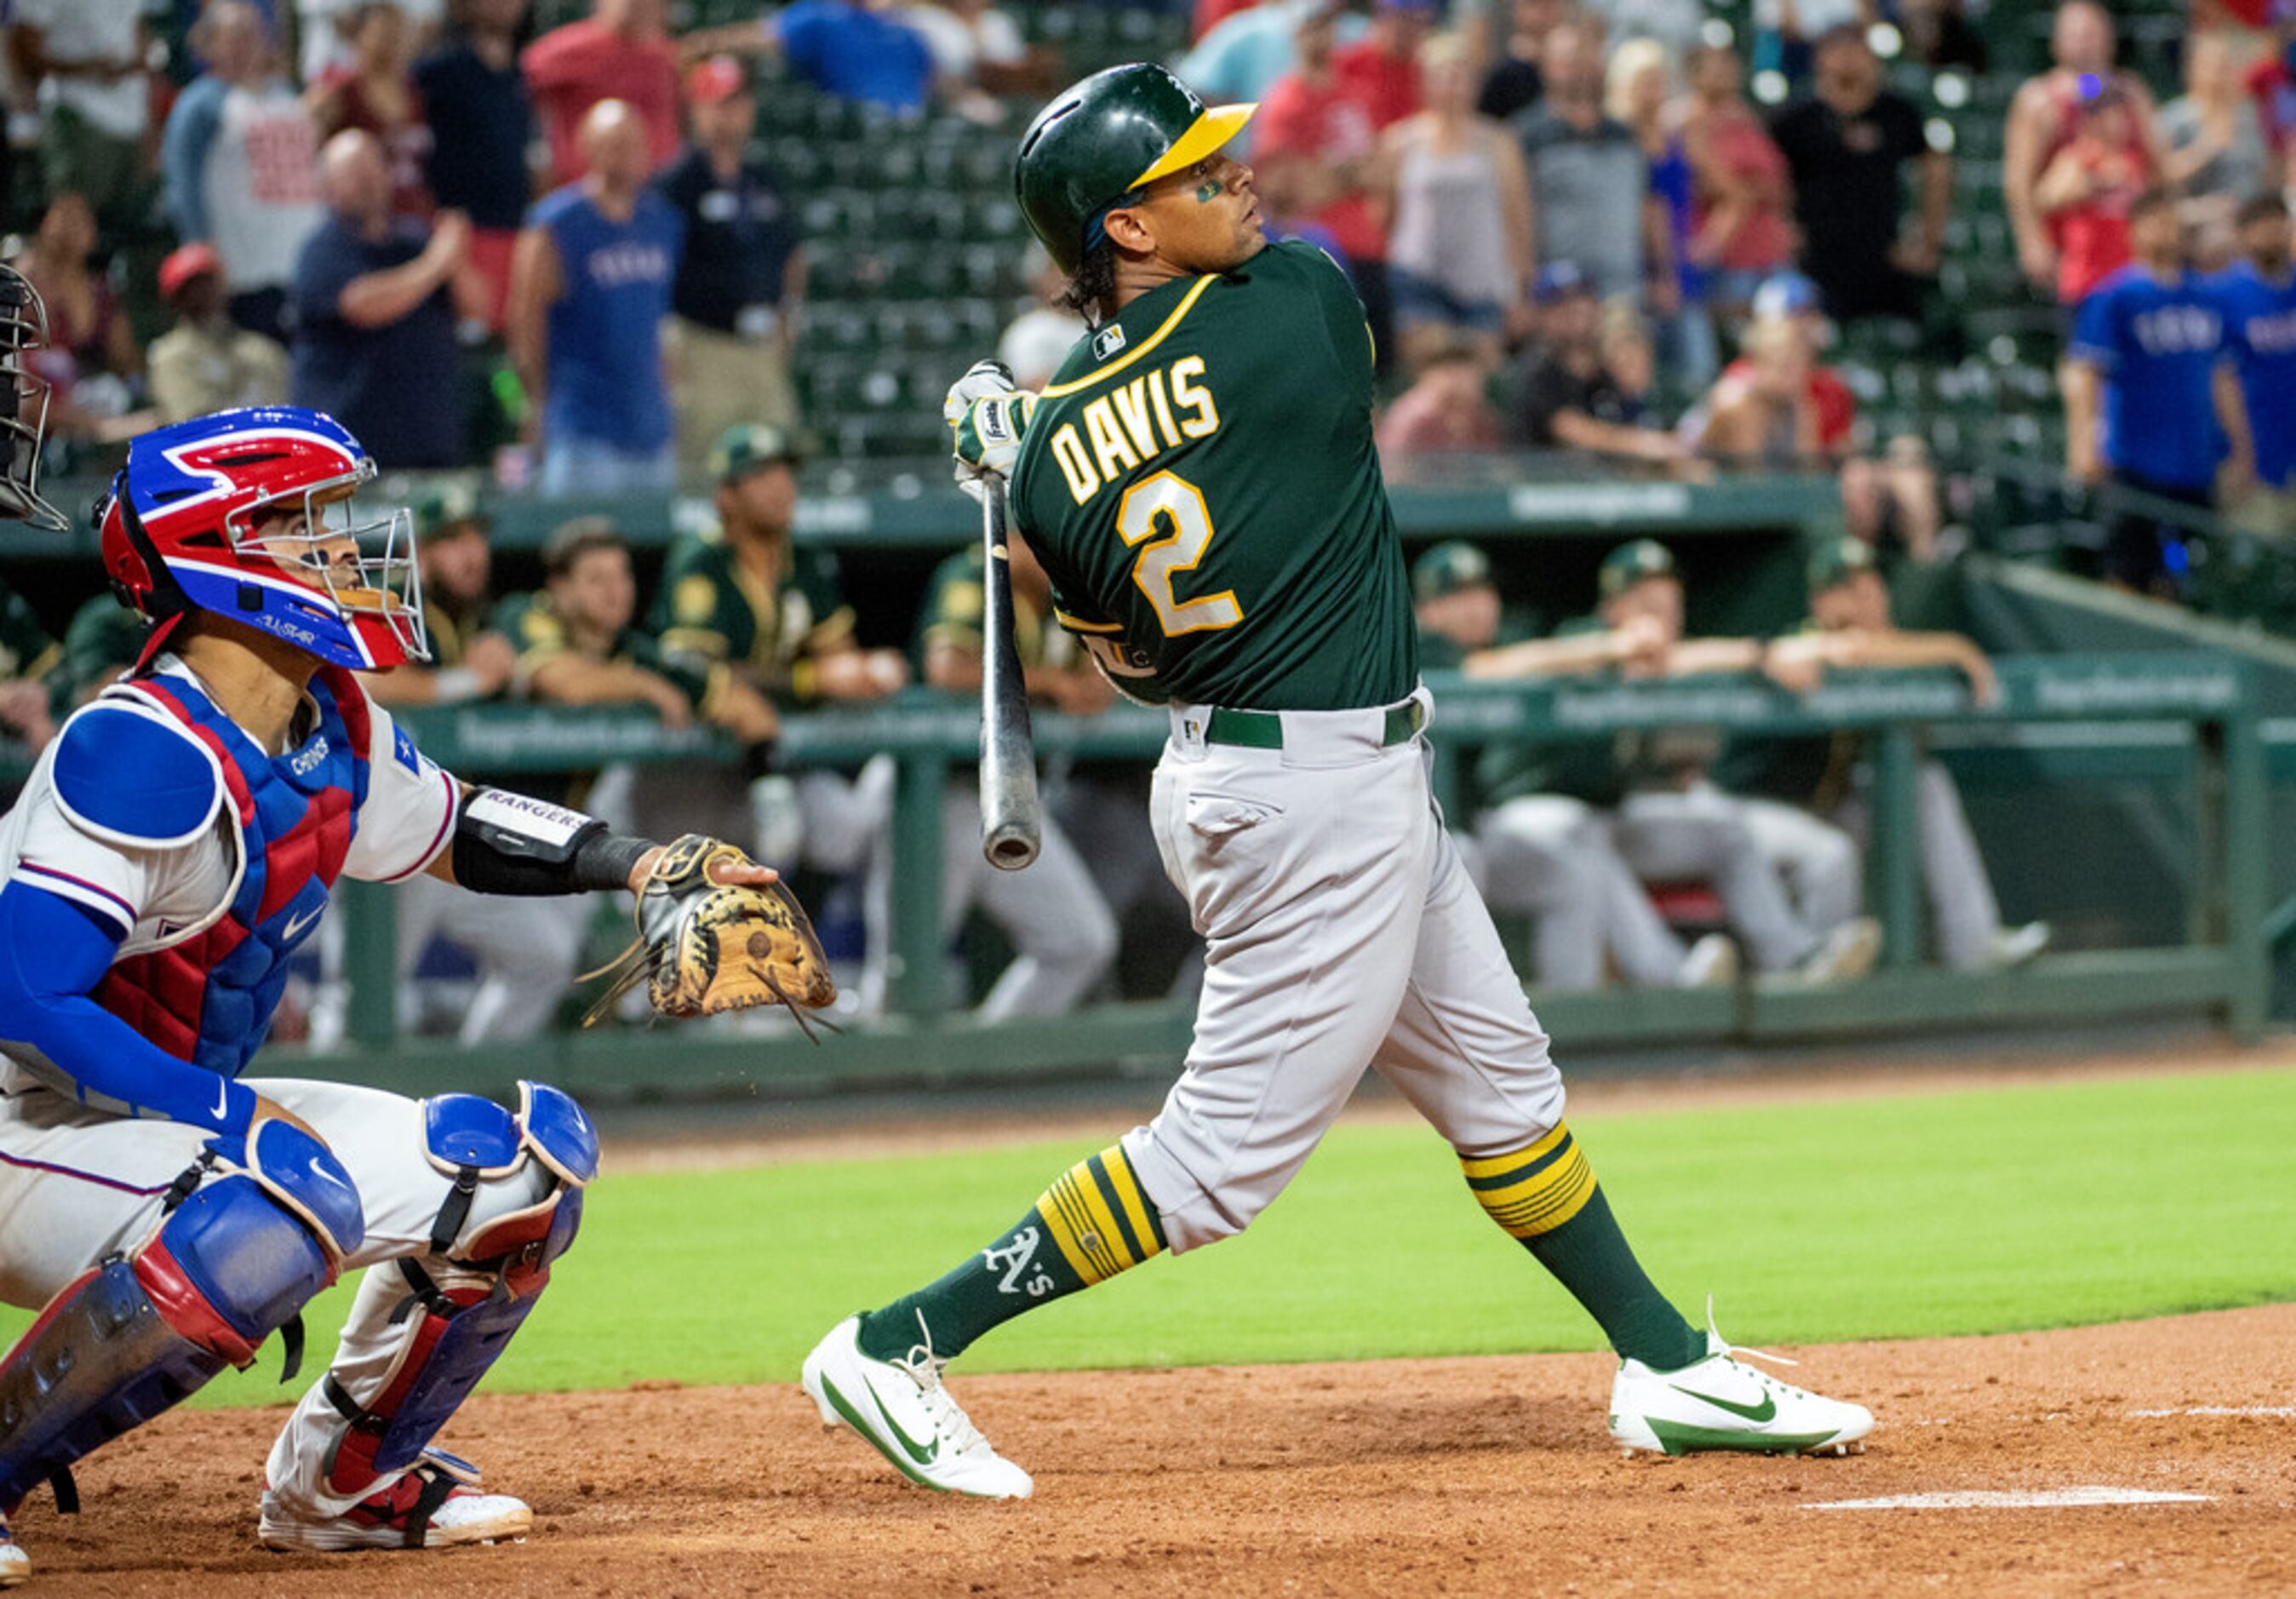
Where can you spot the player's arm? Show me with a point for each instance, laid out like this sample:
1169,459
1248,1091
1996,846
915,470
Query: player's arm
1565,656
568,678
1854,647
1698,657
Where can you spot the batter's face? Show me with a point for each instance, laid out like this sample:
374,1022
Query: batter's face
1203,219
1657,599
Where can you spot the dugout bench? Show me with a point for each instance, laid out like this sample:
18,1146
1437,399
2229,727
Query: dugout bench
2199,704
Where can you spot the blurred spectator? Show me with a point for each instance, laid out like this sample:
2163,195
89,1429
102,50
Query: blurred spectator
2048,114
101,641
2086,191
2214,135
240,159
2260,297
1591,203
618,52
1939,35
1564,397
1444,412
1063,933
2149,382
1513,84
85,61
588,293
578,644
740,279
27,656
1762,415
2272,83
1673,25
1381,71
1744,227
376,94
857,50
1847,148
1459,254
1786,32
375,323
90,354
1242,58
978,49
483,137
324,31
739,597
207,362
1326,153
1891,504
1639,93
1849,628
1036,342
1206,15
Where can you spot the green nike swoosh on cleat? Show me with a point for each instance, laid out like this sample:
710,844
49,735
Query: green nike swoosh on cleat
1762,1412
920,1453
1675,1438
860,1423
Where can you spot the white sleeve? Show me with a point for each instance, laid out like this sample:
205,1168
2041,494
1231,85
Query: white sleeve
50,853
411,804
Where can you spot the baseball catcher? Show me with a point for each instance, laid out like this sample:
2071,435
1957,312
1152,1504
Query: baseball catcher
175,847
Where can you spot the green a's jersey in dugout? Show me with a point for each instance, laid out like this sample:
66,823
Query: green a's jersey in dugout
1200,481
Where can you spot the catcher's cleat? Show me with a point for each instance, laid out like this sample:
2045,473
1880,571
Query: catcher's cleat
434,1506
15,1565
907,1416
1721,1403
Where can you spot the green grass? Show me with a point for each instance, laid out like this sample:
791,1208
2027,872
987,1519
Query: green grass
1978,1212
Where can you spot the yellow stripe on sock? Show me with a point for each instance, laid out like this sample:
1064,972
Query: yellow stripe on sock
1545,1198
1128,1190
1081,1228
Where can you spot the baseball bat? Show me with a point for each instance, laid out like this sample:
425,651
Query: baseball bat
1012,823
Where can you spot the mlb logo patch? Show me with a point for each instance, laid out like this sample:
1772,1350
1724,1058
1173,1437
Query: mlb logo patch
1107,342
403,747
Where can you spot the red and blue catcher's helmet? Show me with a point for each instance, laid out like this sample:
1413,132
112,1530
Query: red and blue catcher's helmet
247,515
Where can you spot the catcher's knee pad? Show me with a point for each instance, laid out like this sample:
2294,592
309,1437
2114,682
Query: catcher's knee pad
235,1260
534,1164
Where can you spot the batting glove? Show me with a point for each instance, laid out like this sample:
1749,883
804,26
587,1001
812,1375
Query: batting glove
988,415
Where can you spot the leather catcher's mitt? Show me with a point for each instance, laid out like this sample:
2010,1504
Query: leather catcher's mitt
704,947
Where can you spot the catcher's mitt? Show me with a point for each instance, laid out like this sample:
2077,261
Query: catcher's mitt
704,947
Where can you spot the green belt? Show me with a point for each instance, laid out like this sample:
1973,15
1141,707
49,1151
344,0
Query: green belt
1264,729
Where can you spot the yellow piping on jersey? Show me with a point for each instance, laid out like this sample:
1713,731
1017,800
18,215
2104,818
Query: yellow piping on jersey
1188,303
1077,624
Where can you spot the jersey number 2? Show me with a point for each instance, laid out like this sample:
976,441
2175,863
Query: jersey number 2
1156,505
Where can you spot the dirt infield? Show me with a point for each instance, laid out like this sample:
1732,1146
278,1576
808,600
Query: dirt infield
1482,1476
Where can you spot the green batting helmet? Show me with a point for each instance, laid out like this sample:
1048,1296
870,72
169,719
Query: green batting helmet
1101,140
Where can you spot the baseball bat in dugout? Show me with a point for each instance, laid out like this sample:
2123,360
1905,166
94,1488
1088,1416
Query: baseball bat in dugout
1012,821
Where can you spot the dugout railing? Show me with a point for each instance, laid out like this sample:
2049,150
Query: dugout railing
2197,707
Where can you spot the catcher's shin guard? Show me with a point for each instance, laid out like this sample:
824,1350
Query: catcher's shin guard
495,1268
228,1267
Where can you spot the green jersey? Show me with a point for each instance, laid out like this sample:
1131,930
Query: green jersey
713,607
956,608
1200,482
101,641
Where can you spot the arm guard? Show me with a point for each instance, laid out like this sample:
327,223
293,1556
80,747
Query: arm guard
507,843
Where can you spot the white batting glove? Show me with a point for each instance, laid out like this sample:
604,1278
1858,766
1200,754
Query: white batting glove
988,417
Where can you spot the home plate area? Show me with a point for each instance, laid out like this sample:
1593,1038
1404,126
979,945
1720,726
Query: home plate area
2140,1457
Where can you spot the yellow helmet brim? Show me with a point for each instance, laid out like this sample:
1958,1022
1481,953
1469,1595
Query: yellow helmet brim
1214,128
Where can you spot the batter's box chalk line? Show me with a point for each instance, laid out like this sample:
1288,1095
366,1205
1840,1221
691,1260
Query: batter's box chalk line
2048,1498
2279,1413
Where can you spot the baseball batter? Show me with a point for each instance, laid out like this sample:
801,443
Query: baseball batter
1200,482
176,844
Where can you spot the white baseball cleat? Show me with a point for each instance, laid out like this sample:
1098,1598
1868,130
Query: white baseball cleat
436,1505
901,1408
1845,954
1711,963
1722,1403
15,1565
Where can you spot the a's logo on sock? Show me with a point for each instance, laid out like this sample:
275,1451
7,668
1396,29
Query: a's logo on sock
1017,1259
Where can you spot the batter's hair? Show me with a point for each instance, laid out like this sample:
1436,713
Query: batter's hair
1092,287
